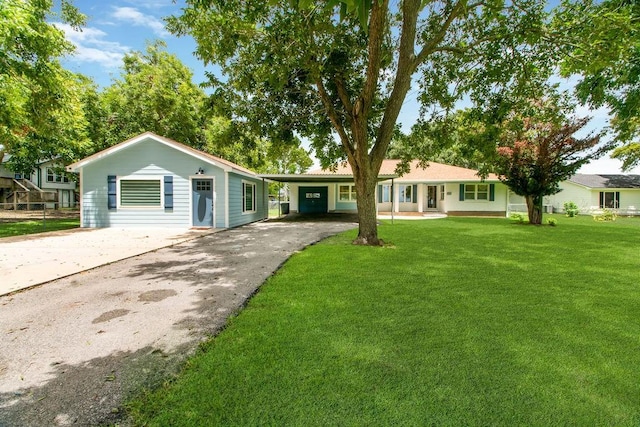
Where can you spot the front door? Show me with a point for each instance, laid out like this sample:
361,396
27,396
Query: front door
65,199
432,196
202,202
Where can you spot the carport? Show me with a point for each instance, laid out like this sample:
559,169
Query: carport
317,193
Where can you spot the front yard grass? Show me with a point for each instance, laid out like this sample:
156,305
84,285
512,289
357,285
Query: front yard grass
8,229
458,321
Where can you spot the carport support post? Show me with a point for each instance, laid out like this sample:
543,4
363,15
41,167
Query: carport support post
392,192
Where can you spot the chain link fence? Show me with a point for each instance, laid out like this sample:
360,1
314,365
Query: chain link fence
35,211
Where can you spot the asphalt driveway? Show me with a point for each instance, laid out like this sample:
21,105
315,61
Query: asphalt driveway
73,350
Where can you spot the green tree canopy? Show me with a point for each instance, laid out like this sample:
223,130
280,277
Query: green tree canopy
538,150
342,82
603,47
156,93
40,112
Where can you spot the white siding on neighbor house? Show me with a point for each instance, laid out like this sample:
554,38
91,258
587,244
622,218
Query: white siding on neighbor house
452,202
588,199
65,190
236,216
46,185
147,158
629,198
578,194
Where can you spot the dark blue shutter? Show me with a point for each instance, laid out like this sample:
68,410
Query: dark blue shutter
492,192
111,192
617,202
168,192
414,194
379,193
602,199
461,198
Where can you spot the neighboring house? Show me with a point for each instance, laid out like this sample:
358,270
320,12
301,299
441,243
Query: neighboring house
50,177
46,183
153,181
438,188
593,192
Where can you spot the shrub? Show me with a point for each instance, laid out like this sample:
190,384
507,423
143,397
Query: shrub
552,222
518,217
606,215
571,209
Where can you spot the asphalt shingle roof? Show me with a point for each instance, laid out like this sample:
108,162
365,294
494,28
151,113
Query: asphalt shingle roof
606,181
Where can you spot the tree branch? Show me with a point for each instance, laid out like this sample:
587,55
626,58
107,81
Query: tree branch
377,24
334,117
402,81
430,47
343,94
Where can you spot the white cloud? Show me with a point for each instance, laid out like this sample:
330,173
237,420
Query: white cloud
133,16
152,4
91,46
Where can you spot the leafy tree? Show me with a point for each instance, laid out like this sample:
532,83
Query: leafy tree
290,159
294,67
603,40
234,141
538,152
156,93
457,139
41,116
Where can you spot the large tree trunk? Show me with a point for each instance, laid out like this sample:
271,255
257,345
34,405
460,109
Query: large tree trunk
534,208
366,183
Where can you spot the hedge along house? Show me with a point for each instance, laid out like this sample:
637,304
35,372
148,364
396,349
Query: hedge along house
152,181
439,188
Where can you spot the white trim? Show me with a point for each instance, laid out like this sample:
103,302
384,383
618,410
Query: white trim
81,201
412,195
349,200
254,203
213,198
475,194
226,199
159,178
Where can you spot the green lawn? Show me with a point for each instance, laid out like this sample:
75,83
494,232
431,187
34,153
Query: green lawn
458,321
30,227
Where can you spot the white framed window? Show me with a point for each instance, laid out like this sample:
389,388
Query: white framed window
405,194
470,192
482,192
609,200
52,176
248,197
385,193
347,193
479,192
442,192
140,192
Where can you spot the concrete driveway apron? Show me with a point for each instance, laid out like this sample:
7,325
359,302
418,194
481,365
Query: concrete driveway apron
73,350
30,260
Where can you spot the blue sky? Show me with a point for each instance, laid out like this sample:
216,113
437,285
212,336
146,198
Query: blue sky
119,26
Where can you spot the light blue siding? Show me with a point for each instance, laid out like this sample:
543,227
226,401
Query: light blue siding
236,216
344,206
148,158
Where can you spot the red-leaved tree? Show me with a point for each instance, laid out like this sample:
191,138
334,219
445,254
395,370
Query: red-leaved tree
534,161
